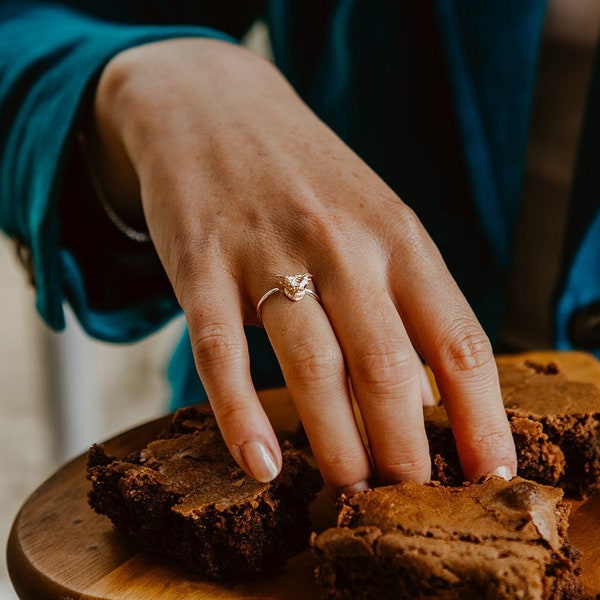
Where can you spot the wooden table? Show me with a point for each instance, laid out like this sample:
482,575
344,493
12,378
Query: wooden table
59,549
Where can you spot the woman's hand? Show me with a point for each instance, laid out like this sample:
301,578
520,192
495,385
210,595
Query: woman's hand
239,183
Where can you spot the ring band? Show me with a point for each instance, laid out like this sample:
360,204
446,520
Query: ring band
294,287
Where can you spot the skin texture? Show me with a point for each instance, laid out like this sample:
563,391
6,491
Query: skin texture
238,182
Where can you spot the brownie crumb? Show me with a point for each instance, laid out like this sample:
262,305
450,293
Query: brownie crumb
550,368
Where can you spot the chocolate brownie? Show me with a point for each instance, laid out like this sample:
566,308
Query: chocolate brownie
555,421
184,496
495,539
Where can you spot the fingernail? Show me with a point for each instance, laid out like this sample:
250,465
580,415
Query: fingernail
504,472
259,461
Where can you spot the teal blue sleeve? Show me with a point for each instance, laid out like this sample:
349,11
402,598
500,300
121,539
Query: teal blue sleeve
50,57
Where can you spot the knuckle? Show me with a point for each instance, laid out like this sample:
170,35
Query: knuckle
188,263
467,348
216,345
314,364
409,230
385,363
408,222
312,217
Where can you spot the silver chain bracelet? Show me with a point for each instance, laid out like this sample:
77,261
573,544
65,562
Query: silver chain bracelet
142,237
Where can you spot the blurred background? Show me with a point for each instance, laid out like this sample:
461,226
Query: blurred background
62,392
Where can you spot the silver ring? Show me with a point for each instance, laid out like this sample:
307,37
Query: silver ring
294,287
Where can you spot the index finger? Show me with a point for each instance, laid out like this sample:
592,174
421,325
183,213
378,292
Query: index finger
221,355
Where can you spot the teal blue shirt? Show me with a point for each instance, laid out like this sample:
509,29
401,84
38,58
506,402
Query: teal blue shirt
436,97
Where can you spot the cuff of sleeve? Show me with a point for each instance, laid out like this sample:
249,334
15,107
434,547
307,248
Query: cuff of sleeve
37,152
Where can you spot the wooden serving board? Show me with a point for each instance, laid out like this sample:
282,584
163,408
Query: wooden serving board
60,549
